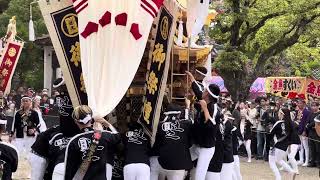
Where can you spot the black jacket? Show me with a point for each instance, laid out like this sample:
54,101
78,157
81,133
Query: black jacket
9,160
22,120
78,148
174,137
137,145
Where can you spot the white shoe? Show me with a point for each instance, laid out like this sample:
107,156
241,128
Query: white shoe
281,168
305,164
300,163
249,161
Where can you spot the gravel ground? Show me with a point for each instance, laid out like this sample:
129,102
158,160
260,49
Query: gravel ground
257,170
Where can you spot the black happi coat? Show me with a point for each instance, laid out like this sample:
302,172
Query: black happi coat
247,134
217,159
22,120
279,130
294,136
9,160
174,136
137,145
52,143
206,131
78,148
42,148
236,136
227,142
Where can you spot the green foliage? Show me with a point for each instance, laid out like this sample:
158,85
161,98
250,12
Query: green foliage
231,61
273,34
29,71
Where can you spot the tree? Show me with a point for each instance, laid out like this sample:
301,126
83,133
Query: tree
29,71
3,5
260,36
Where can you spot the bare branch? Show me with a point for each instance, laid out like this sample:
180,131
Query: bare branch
253,3
255,28
284,43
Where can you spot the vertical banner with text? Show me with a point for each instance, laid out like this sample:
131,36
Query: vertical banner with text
9,60
313,88
158,72
62,24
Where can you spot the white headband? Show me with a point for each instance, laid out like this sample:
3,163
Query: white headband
62,82
29,98
3,121
86,119
172,112
200,72
214,96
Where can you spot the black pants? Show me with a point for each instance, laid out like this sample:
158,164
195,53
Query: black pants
314,151
268,141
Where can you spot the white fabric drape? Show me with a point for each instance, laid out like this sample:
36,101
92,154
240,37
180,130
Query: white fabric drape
111,56
197,13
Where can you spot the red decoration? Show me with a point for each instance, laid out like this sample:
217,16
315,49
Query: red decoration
275,85
105,19
90,28
135,31
292,95
311,88
121,19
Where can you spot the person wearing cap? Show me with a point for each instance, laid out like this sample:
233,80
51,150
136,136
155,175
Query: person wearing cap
48,151
8,156
174,133
89,155
26,124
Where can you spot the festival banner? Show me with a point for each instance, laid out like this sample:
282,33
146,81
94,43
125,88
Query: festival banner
158,70
287,87
9,60
62,24
313,88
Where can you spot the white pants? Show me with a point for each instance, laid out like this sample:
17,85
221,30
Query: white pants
247,145
155,169
278,159
205,156
59,172
173,174
226,171
304,150
236,174
38,166
292,155
24,146
213,176
137,171
109,171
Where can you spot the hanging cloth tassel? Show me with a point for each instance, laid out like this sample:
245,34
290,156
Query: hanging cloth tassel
31,31
31,27
180,34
